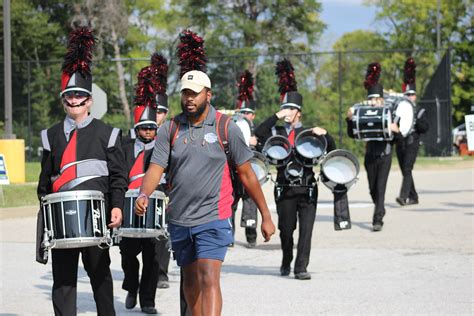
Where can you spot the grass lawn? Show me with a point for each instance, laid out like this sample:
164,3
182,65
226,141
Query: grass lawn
19,195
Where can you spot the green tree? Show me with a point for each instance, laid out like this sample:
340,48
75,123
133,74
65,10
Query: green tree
412,24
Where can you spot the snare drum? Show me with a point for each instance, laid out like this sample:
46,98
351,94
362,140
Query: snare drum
75,219
339,168
152,224
372,122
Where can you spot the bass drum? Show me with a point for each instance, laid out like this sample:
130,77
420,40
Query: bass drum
403,113
244,126
372,122
339,170
260,166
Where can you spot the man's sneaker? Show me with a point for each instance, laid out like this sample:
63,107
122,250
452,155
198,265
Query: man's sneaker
401,201
149,310
131,300
377,227
285,271
303,276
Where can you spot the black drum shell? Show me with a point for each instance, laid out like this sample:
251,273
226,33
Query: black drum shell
151,224
372,123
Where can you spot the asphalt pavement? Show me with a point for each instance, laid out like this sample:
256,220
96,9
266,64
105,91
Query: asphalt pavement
420,263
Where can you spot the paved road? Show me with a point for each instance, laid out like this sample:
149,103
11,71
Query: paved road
421,263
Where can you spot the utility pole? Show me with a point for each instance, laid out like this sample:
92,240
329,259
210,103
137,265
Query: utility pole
8,70
438,27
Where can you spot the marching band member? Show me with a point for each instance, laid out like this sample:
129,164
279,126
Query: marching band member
82,153
246,107
294,202
407,148
150,94
378,154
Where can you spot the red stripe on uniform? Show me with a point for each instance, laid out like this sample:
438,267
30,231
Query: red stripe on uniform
137,168
69,156
225,198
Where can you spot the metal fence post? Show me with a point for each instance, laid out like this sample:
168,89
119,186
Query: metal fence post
339,88
29,109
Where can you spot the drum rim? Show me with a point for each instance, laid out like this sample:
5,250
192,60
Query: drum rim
309,132
345,153
77,195
157,194
285,140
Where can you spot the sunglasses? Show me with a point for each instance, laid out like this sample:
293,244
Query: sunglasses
77,94
410,94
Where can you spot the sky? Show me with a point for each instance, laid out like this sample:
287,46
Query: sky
343,16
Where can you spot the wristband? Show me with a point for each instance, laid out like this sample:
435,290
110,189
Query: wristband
142,195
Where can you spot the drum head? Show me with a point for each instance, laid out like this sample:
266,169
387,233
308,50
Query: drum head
406,112
244,126
340,167
260,167
309,147
278,149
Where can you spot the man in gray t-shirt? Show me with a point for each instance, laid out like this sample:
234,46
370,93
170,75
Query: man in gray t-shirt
201,191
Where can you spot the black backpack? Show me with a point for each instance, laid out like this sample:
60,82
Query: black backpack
222,122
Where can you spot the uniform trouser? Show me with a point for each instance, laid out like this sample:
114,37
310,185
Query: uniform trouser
406,154
163,259
249,212
342,217
378,169
97,265
146,286
291,209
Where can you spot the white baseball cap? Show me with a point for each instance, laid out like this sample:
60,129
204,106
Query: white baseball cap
195,80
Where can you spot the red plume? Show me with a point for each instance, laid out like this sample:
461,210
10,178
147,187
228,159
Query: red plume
159,67
286,76
144,89
373,74
79,52
409,73
245,85
190,53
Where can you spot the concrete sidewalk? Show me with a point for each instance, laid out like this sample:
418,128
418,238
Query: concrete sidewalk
421,263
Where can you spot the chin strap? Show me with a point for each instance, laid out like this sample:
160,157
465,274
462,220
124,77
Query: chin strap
75,106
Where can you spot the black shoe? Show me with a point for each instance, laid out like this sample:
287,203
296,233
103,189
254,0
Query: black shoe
163,284
401,201
131,300
251,244
412,201
285,271
303,276
231,245
377,227
149,310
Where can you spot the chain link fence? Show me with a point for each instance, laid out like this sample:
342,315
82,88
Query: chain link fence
330,83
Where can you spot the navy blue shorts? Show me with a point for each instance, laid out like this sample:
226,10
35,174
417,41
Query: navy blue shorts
206,241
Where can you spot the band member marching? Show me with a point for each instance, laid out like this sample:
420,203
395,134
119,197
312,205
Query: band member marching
82,153
150,92
246,107
407,148
295,200
378,154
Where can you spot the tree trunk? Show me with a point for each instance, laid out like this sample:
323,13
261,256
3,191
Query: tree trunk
120,75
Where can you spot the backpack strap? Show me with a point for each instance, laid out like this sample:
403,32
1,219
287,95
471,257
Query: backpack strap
222,125
174,129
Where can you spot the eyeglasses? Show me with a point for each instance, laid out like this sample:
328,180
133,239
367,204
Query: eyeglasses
410,94
76,93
